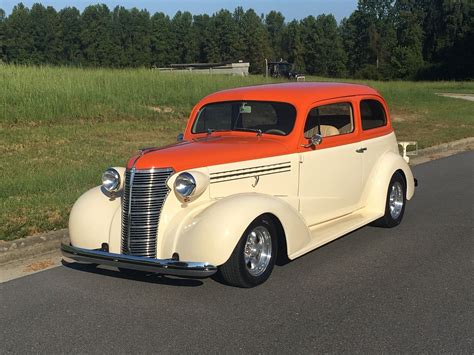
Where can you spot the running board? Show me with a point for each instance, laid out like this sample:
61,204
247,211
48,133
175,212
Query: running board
326,232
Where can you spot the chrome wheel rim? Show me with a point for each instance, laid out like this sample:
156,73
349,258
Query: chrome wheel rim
258,250
396,200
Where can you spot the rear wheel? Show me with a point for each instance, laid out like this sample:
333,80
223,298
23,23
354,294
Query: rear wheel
252,260
395,203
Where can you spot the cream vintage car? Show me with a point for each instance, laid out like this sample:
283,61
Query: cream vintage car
261,172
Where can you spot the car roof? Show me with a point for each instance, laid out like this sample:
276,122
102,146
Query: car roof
296,93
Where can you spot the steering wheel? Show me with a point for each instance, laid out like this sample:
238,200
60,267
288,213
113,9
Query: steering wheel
275,131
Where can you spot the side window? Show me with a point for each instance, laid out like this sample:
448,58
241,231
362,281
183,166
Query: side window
330,120
372,114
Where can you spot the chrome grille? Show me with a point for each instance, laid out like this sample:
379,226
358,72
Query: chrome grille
145,192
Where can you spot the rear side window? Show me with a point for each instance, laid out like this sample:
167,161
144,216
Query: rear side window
372,114
329,120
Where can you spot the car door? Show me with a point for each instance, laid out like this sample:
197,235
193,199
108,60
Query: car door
330,179
375,130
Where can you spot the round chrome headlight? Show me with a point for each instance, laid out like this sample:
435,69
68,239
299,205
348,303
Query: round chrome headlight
184,185
111,180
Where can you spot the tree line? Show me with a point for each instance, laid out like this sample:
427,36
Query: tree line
381,39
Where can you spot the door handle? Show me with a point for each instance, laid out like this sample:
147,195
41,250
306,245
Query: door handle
361,150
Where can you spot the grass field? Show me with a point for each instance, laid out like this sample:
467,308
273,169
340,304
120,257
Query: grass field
61,127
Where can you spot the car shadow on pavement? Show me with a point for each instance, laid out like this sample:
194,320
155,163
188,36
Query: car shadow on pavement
133,275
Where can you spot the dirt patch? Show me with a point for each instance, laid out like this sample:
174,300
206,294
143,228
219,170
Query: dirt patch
469,97
160,109
37,266
402,117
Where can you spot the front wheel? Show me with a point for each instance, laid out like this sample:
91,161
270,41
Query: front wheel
252,260
395,203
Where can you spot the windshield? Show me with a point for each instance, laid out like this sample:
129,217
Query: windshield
260,116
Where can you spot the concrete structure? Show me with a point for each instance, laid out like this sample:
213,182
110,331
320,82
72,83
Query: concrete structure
239,69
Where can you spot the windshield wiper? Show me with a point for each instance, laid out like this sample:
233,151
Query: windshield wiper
258,131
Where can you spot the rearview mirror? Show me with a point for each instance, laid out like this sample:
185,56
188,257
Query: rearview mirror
314,140
180,137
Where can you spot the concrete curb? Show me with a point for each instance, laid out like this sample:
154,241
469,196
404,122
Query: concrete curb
442,150
31,246
48,242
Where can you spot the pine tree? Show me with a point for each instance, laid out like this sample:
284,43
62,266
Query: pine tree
407,59
161,40
226,37
18,36
275,24
184,41
331,57
293,47
3,48
255,39
69,30
99,43
44,22
204,38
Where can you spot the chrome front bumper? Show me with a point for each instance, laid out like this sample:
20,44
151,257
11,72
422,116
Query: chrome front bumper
160,266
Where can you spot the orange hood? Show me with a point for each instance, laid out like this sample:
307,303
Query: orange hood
209,151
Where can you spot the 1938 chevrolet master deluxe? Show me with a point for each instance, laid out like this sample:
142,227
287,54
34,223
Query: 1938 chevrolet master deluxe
260,172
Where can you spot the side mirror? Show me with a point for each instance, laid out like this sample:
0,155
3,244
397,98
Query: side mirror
180,137
314,140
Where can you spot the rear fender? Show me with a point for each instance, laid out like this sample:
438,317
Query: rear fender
379,180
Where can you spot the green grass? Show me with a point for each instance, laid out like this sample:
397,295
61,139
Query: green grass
61,127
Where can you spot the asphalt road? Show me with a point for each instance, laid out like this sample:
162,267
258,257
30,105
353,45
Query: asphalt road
408,289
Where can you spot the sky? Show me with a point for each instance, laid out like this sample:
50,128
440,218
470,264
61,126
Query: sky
291,9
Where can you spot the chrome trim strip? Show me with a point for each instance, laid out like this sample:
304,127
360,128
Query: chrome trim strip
160,266
249,170
257,172
250,176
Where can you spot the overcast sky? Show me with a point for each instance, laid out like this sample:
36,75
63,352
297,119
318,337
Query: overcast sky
291,9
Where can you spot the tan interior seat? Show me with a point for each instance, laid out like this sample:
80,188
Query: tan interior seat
326,131
346,129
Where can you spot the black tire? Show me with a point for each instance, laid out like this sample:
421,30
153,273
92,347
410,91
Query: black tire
391,219
235,271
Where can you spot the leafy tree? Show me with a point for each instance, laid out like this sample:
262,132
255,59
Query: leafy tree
184,40
381,39
161,51
447,42
69,31
132,30
97,38
226,40
44,34
293,47
205,39
255,40
407,58
18,39
275,24
332,56
369,38
3,54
